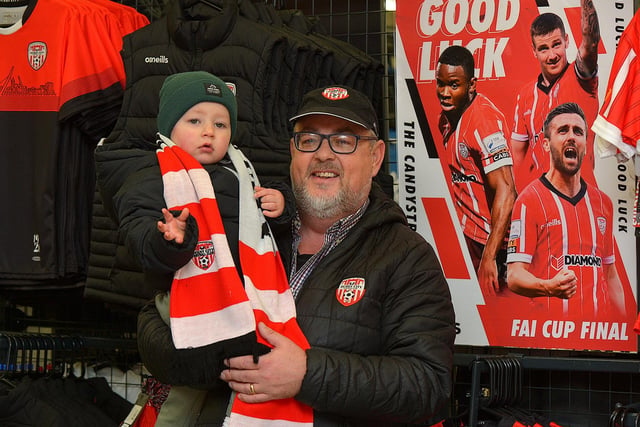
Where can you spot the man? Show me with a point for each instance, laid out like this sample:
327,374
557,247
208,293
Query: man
559,81
561,248
477,152
371,298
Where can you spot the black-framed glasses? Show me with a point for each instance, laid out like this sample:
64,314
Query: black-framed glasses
340,143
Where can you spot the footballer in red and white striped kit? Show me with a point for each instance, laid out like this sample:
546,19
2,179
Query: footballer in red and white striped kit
558,82
561,248
480,165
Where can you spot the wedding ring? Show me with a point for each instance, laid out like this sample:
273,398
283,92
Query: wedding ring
251,389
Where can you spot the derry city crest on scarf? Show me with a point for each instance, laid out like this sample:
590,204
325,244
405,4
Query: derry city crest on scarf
204,254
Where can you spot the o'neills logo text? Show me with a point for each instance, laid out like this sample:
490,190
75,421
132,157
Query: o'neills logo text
203,255
551,223
156,59
577,260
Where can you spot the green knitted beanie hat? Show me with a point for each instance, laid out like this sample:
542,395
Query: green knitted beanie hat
184,90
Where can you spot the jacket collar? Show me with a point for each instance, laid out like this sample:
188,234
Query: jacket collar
201,24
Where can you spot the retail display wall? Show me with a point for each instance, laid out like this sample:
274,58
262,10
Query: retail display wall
581,397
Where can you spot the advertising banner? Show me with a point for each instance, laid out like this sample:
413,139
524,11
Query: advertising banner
472,152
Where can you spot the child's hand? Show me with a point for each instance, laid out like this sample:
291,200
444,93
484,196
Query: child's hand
271,201
173,227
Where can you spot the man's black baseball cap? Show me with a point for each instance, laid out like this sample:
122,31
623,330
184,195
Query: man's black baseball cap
342,102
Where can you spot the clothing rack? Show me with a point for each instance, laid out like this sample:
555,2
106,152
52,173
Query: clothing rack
79,380
40,353
515,363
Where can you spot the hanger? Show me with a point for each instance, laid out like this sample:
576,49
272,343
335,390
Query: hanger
211,4
12,366
57,368
44,354
277,4
4,367
38,348
495,386
78,345
25,356
625,415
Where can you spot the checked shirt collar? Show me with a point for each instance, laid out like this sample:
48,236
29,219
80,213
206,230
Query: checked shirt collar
334,235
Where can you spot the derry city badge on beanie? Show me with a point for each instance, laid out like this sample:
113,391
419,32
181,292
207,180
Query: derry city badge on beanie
342,102
184,90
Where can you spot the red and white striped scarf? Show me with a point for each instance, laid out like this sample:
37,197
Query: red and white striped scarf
208,301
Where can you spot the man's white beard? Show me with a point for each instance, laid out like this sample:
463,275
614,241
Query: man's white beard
345,203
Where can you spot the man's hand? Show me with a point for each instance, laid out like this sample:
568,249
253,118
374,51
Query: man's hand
173,227
277,375
563,285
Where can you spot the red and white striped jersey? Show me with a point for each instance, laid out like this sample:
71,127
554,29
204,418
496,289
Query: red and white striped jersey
552,232
477,146
533,104
617,126
60,82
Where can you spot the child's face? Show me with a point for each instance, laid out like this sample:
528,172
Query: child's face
204,131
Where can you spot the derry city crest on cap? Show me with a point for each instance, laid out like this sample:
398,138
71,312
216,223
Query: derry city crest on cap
335,93
350,291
